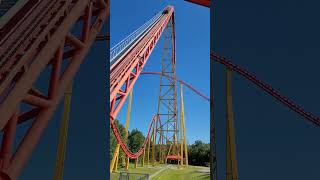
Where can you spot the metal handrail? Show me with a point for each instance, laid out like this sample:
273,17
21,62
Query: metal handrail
118,49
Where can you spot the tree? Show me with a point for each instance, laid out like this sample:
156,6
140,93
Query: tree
113,141
199,154
135,140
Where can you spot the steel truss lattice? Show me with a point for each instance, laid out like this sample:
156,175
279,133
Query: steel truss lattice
166,130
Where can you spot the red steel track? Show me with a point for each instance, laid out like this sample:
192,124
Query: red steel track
124,146
126,71
266,88
39,37
205,3
182,82
140,151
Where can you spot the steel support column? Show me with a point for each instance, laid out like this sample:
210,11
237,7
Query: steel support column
231,165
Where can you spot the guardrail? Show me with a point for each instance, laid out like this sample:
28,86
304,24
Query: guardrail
125,43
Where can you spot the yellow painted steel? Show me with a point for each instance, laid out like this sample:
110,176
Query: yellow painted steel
116,165
183,125
136,163
63,135
148,150
127,123
127,164
231,165
154,143
114,158
142,161
114,162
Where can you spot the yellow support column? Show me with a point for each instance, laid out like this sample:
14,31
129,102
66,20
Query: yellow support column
127,164
232,167
184,128
148,150
127,125
116,165
115,158
181,126
136,163
142,161
62,142
154,143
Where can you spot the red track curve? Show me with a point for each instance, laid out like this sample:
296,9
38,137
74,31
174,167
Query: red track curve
124,146
267,88
182,82
140,151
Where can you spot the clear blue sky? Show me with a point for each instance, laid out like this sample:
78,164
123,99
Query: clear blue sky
192,45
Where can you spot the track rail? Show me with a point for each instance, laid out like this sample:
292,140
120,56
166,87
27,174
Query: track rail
124,146
266,88
126,71
154,119
182,82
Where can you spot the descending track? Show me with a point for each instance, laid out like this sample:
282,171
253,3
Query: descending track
179,80
124,146
127,61
266,88
140,151
126,69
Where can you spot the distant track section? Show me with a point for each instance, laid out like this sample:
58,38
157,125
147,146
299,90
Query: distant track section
182,82
266,88
124,146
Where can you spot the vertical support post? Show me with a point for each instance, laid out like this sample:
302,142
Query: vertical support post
142,161
181,125
127,124
63,135
114,158
184,127
127,164
136,162
114,162
148,150
154,143
117,162
231,165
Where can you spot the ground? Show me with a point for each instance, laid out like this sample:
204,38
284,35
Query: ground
166,172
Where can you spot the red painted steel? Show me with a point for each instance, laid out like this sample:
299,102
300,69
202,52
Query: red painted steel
267,88
182,82
124,146
124,74
40,41
140,151
205,3
126,71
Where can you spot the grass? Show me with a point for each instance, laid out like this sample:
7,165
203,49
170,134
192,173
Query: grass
172,172
185,173
147,169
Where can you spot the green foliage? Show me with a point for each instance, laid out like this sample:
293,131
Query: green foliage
199,154
113,141
135,140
